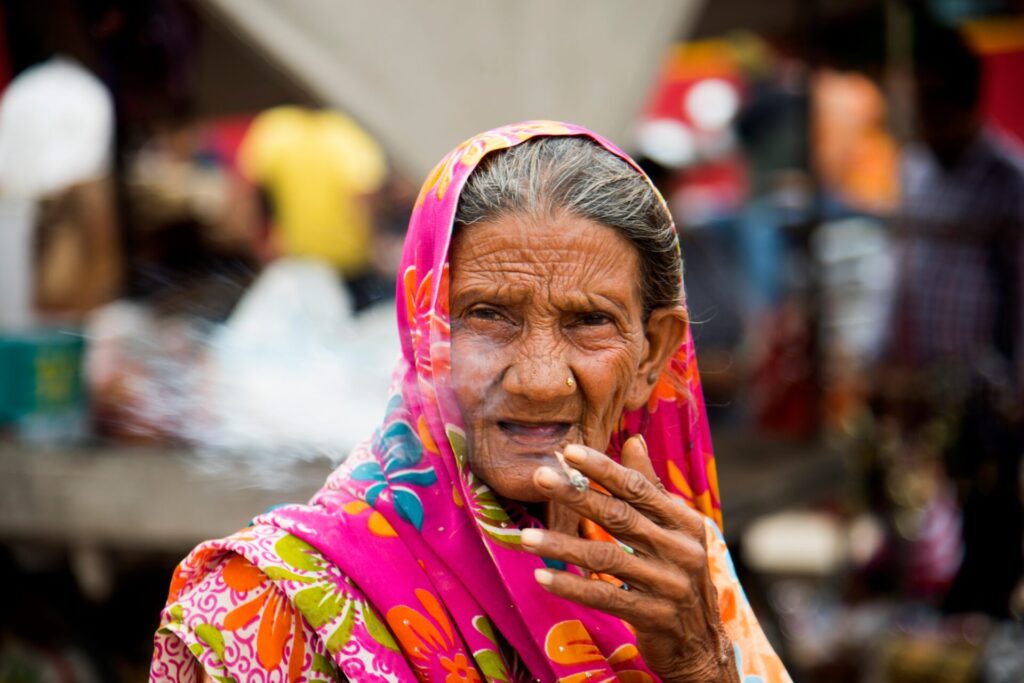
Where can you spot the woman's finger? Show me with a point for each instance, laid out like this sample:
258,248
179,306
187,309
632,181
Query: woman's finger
608,558
643,612
614,515
636,457
634,487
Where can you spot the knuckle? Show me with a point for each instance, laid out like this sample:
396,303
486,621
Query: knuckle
616,515
675,581
693,557
619,601
635,485
702,538
688,596
686,587
574,496
676,588
605,557
692,523
662,613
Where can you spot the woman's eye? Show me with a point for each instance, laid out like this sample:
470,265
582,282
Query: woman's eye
484,313
594,319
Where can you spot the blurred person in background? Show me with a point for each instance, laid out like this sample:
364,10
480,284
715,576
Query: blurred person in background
317,172
56,130
952,371
961,222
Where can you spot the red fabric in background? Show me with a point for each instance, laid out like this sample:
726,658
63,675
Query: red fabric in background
1002,98
222,138
5,58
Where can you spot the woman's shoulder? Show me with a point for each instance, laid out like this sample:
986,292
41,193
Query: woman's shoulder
232,606
251,542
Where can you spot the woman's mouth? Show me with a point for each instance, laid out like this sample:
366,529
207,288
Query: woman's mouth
534,433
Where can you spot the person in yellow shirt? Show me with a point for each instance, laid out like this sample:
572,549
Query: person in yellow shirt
318,170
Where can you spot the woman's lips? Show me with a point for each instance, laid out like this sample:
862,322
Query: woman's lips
534,433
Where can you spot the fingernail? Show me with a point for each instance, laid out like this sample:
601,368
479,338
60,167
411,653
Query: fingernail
548,478
575,454
531,537
543,577
643,442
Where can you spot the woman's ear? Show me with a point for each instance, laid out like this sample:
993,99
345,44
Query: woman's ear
664,331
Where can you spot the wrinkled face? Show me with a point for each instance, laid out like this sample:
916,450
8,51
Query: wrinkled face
535,302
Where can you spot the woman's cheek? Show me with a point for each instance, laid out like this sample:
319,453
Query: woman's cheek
473,364
606,383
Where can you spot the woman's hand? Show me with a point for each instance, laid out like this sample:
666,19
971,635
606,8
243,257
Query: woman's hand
671,601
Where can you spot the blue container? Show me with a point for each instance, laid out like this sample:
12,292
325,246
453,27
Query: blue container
42,394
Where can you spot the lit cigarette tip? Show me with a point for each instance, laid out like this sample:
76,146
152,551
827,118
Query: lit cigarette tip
578,481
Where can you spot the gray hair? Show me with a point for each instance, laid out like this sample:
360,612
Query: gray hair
548,175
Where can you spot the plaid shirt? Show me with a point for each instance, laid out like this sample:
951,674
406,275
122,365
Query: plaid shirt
946,295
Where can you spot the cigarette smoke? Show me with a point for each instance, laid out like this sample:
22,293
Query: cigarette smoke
291,376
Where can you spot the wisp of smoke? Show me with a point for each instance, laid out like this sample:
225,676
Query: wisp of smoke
291,376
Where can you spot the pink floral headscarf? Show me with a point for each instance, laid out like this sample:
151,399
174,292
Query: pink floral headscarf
406,564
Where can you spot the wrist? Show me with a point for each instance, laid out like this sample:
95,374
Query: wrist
717,665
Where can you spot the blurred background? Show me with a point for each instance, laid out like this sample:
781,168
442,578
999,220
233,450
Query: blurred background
202,206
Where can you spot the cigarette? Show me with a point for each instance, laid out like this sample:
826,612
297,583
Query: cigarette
578,481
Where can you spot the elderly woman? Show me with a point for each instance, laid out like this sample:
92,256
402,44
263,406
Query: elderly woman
540,500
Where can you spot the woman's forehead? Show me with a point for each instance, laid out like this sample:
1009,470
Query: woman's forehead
515,258
527,239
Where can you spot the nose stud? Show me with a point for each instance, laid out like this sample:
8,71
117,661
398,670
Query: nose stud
570,382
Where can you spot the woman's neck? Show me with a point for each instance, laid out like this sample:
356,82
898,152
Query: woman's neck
560,518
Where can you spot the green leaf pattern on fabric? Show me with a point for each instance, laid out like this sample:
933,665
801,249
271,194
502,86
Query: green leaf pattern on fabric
212,636
320,604
299,554
324,604
490,661
483,626
490,515
457,440
491,665
376,628
323,665
279,574
343,633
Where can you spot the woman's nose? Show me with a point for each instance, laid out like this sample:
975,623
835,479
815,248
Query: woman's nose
540,377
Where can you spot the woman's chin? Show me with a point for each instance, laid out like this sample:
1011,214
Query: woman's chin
512,478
